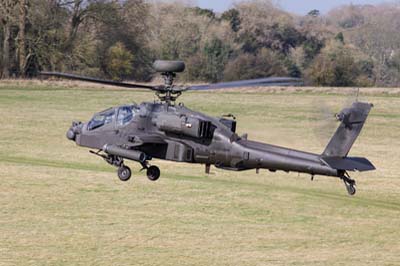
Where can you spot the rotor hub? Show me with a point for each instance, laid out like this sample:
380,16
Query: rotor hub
169,93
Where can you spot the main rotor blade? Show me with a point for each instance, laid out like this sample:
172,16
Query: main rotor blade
263,82
94,80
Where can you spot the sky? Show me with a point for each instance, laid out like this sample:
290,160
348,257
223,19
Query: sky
300,7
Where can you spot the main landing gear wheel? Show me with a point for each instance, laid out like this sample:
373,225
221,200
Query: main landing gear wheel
153,173
124,173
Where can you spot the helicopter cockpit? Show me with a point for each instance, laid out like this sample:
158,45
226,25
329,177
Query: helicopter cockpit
101,119
123,115
126,114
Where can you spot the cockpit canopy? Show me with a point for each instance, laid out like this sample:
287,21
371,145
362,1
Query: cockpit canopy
122,115
125,115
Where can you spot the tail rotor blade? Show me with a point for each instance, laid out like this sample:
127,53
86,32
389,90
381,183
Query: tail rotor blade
324,119
325,116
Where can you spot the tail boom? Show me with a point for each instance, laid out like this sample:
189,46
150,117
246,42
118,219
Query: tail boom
265,156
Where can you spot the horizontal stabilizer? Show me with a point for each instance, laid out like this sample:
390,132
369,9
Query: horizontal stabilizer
349,163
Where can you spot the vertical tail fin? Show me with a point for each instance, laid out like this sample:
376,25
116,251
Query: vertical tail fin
352,121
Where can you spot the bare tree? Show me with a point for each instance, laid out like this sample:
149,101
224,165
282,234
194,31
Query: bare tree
378,37
23,5
7,18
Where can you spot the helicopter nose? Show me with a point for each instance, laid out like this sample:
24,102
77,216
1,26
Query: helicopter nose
74,130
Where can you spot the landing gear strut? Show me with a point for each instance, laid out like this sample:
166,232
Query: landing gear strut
124,172
349,183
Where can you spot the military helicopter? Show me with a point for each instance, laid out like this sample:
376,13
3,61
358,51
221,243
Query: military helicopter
168,131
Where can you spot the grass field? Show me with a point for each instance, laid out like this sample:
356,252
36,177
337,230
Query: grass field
62,206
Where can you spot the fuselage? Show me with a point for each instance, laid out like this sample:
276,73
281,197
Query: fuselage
179,134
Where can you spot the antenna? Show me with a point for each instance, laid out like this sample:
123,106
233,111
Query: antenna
358,93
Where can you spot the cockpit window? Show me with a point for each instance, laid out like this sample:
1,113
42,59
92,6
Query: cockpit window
125,115
101,119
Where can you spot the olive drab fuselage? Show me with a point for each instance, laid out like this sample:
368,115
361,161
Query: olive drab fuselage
179,134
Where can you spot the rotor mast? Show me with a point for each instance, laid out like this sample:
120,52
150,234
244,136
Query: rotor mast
169,93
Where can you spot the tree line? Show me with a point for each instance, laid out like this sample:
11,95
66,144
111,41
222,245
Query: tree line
354,45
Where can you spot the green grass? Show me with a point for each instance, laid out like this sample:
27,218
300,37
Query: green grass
61,205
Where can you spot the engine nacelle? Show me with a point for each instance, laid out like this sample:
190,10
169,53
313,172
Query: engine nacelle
184,125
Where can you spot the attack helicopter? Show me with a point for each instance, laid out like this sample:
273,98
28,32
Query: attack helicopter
168,131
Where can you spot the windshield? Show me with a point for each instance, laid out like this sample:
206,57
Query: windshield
126,114
101,119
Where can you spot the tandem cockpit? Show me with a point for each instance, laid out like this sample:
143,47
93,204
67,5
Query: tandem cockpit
120,116
103,127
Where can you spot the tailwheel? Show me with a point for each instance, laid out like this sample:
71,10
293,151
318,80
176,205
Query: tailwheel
351,189
349,183
153,173
124,173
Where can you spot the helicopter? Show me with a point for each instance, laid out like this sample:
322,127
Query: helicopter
169,131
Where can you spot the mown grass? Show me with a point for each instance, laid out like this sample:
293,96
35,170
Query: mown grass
62,206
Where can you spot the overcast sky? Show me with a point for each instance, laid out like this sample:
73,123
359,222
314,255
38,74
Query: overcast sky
296,6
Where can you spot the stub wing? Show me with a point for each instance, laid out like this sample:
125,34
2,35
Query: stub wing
139,140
